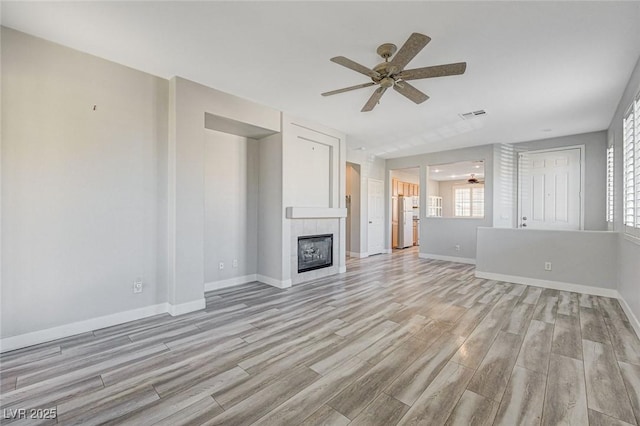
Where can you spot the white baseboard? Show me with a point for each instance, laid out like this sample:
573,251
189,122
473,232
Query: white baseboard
273,282
387,251
447,258
217,285
633,320
342,269
558,285
357,255
185,308
79,327
59,332
555,285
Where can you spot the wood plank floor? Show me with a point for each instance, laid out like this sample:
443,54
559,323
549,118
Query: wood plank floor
395,340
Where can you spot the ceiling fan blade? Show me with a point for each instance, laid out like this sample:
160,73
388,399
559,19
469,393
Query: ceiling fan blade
410,92
435,71
374,99
347,89
345,62
414,44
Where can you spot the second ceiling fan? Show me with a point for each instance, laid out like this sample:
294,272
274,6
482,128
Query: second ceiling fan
391,73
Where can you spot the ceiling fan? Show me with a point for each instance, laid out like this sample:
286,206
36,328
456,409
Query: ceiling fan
473,179
392,73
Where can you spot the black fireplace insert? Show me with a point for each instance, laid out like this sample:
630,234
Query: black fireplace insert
315,252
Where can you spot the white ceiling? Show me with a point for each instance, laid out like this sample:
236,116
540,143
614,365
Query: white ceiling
457,171
539,69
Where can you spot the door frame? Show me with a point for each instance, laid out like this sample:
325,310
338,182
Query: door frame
582,149
382,250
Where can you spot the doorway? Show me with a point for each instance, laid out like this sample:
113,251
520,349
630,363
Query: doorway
405,203
375,214
353,204
550,186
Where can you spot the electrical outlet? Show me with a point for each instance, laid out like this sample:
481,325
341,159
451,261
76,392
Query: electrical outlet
547,266
235,263
137,286
457,247
221,265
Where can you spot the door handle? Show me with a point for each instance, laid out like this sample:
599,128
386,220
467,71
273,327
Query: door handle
370,221
524,225
524,218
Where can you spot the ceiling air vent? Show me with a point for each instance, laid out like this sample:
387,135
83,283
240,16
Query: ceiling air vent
472,114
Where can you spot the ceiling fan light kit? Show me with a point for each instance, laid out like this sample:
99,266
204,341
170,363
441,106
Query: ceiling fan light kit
391,73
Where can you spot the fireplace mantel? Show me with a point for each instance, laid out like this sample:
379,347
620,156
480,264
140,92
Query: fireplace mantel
315,213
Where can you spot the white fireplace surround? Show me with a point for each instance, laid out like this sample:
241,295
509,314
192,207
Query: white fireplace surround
315,213
308,227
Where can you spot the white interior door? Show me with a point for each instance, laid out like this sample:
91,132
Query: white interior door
376,217
550,189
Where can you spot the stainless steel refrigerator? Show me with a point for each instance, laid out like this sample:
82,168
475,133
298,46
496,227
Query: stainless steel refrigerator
405,222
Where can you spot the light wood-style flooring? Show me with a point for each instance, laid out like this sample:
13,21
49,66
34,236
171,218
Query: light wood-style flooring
395,340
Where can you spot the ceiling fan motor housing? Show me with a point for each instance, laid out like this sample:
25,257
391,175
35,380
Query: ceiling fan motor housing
387,82
385,69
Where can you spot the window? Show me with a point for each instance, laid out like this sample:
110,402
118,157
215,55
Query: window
468,201
610,182
631,169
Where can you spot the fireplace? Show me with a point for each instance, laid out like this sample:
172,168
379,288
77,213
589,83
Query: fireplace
315,252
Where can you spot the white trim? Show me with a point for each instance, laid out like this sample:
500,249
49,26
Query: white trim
386,251
578,288
358,255
71,329
447,258
633,320
556,285
231,282
342,269
66,330
185,308
274,282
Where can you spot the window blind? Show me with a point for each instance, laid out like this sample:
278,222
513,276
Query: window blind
477,202
610,184
631,169
462,202
468,201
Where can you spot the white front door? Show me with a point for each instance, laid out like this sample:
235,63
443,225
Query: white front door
550,189
375,217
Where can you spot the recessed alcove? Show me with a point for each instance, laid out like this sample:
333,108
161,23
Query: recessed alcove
227,235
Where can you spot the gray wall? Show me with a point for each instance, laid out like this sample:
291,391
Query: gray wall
629,274
629,263
230,205
595,172
439,236
270,207
186,178
81,188
577,257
